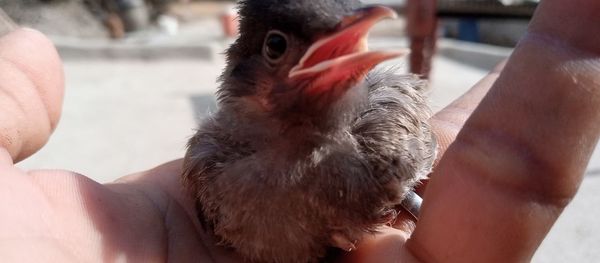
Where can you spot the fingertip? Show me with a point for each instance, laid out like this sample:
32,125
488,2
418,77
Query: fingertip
35,55
33,35
32,91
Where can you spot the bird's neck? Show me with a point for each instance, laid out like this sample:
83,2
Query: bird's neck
246,118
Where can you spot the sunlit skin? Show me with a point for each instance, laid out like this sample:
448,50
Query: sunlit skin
540,119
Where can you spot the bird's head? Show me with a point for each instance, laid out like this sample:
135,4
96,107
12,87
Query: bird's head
300,57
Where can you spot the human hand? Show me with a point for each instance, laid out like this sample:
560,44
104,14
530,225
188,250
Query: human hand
519,158
495,194
31,92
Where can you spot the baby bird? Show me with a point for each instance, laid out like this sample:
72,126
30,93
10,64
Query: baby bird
310,148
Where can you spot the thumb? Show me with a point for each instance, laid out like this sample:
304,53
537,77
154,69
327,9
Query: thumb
31,92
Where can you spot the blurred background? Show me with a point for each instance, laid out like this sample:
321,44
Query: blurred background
140,75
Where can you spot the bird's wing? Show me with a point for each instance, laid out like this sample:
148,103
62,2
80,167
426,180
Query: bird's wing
393,131
210,150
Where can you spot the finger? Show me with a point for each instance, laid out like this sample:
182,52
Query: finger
31,91
521,155
448,122
162,185
163,181
383,247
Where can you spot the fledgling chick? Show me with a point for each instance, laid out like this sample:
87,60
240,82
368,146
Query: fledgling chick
309,147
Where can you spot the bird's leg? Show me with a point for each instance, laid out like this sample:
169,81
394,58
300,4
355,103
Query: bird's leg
389,216
341,241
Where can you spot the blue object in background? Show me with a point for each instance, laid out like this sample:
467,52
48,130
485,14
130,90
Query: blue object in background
468,30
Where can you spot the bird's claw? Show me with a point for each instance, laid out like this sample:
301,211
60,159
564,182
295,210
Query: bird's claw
342,242
389,217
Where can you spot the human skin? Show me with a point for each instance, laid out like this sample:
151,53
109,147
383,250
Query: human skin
520,141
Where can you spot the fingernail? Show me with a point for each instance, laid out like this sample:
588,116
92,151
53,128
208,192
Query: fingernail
351,247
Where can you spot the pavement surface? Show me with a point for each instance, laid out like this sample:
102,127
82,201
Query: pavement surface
70,17
124,114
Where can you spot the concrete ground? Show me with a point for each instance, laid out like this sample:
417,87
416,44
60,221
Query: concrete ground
123,116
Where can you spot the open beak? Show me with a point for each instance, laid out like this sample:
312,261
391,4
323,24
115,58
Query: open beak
342,58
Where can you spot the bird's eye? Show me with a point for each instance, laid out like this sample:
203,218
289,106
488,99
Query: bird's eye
275,46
